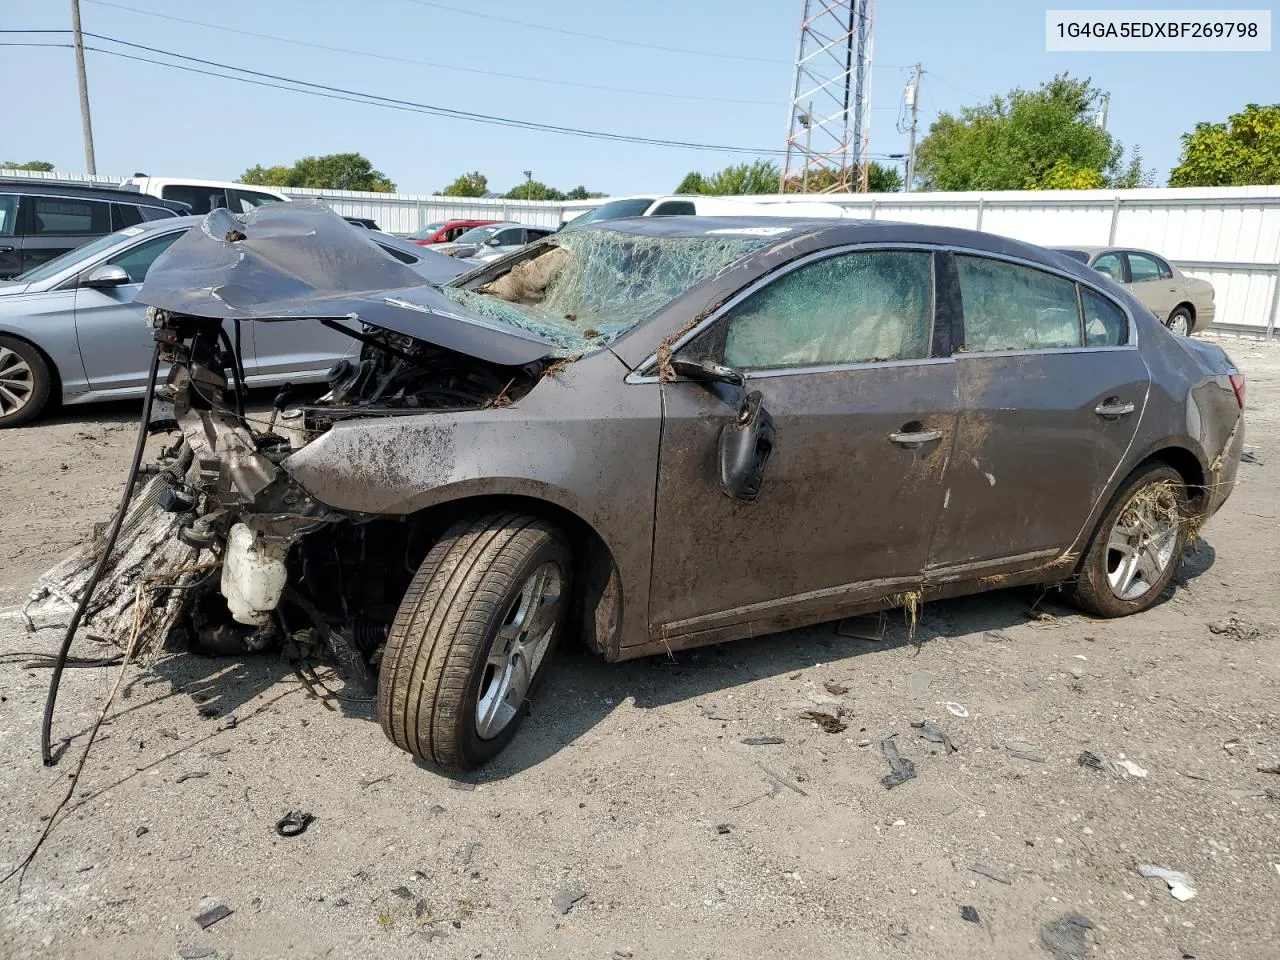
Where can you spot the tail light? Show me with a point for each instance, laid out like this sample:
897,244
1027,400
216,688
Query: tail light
1237,384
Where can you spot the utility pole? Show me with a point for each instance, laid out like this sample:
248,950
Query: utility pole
85,122
1102,115
913,101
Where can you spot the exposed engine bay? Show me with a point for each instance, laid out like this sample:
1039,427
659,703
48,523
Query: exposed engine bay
294,571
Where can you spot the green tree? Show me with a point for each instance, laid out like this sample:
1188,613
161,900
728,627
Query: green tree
740,179
693,182
1134,175
1064,176
534,190
473,184
882,178
267,176
335,171
1244,150
42,165
582,193
1013,142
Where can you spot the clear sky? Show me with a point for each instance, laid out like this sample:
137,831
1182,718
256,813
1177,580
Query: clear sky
170,123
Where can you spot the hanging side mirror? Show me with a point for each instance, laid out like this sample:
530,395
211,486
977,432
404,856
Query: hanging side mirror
745,447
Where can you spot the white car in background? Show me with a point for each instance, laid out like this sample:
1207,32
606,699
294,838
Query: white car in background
204,195
695,205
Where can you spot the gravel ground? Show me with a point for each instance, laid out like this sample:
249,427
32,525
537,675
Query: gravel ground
632,787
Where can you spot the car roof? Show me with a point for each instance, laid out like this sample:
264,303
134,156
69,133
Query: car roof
830,232
58,188
1093,250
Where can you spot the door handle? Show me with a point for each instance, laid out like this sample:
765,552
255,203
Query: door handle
7,249
1113,407
913,438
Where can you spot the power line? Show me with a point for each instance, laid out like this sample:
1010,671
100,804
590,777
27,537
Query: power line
428,63
967,93
355,96
595,36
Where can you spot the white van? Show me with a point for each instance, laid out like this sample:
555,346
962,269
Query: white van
694,205
204,195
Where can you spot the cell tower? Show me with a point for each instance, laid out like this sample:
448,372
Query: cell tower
829,119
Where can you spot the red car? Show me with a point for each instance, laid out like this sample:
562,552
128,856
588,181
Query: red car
445,231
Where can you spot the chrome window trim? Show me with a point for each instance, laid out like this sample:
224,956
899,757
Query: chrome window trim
768,373
642,375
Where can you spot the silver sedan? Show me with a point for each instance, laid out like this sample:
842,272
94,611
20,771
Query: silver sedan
1183,304
70,331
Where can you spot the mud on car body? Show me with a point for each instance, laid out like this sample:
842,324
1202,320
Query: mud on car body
654,434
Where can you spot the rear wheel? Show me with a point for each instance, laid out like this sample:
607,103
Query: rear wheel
472,639
25,382
1180,322
1137,545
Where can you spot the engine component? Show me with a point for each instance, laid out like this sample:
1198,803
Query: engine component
253,575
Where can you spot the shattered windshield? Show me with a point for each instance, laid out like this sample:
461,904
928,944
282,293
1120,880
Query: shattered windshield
591,286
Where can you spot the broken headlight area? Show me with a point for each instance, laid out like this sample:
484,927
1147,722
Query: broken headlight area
223,552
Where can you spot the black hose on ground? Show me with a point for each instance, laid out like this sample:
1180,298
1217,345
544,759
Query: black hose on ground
109,544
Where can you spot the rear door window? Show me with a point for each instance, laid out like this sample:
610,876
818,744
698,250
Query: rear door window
242,201
125,215
63,215
200,199
674,208
1143,268
1011,307
851,308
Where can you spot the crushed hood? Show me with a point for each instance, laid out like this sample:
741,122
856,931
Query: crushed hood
295,261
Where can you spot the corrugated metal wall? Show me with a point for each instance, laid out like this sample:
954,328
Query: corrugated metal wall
1230,236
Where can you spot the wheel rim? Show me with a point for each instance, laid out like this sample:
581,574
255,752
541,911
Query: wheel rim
1142,541
17,382
1178,324
518,650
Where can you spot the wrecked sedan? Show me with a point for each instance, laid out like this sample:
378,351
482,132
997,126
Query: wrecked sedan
655,433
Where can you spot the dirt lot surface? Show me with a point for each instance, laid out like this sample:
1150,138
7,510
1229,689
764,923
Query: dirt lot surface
629,818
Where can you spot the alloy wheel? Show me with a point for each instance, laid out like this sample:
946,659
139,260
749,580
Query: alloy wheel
1142,542
17,382
518,649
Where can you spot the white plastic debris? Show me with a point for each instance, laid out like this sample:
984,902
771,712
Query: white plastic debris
1131,768
1181,886
956,709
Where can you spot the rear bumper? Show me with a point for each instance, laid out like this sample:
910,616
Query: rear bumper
1222,471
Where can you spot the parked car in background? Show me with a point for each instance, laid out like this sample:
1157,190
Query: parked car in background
204,195
446,231
492,240
70,331
1183,304
696,205
40,220
1009,417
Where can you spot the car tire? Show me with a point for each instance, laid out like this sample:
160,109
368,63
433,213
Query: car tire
473,639
1137,545
1180,322
25,382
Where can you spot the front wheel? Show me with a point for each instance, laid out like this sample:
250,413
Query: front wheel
1137,545
473,638
25,382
